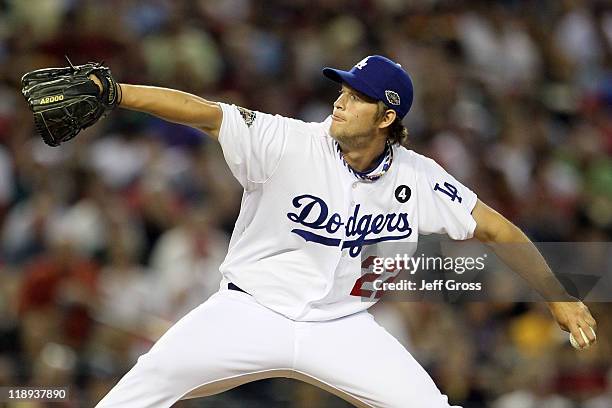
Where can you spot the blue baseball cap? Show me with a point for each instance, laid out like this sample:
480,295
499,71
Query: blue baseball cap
379,78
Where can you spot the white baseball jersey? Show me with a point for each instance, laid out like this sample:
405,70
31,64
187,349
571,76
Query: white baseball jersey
306,227
306,219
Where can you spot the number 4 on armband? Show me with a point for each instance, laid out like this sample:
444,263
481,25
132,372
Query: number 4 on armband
449,190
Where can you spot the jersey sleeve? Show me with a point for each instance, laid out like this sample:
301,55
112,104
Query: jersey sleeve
253,143
444,204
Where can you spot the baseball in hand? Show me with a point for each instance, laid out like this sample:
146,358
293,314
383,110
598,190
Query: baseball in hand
576,345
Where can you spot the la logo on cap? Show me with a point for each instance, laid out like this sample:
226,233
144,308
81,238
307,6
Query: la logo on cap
362,63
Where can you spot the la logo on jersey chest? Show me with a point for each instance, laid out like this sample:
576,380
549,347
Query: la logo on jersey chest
315,222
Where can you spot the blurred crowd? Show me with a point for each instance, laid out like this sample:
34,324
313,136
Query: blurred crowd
107,240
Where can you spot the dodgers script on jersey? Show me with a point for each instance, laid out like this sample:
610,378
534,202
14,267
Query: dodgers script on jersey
307,221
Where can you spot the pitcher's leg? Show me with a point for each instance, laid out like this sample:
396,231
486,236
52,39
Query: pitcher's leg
358,357
226,341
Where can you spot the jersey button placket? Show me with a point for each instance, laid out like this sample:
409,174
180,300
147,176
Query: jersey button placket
351,202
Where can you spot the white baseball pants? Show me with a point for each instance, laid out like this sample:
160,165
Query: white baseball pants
231,339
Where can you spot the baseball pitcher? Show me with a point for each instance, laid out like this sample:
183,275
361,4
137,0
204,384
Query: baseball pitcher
317,198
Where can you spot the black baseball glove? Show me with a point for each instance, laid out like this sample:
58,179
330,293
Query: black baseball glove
65,100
